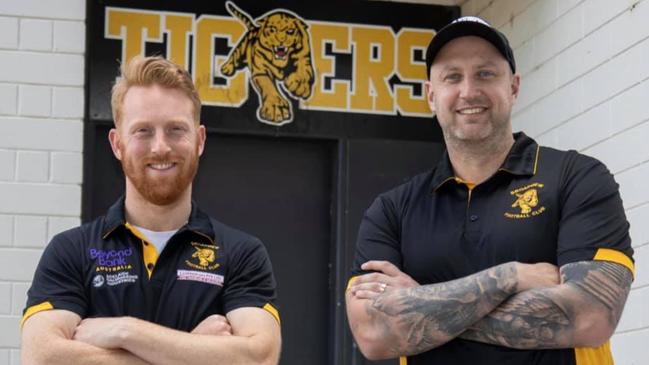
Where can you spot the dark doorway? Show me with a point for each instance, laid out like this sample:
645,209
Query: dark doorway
280,189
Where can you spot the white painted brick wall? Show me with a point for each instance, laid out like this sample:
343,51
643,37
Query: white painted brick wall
5,298
4,357
19,297
14,358
585,86
69,36
67,102
34,101
42,46
6,230
7,165
57,225
9,31
35,35
33,166
30,231
8,99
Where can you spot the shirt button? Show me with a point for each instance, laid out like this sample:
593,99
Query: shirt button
473,218
149,266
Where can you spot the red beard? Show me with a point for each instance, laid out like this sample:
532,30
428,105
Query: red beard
161,190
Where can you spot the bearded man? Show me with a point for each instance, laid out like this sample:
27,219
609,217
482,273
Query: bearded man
130,286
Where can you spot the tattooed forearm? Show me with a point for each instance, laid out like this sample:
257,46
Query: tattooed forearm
528,320
418,319
606,283
583,311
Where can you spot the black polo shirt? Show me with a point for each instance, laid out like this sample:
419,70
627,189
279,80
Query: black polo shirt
106,268
542,205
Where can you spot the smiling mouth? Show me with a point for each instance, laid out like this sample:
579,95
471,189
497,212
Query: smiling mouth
471,111
161,166
280,52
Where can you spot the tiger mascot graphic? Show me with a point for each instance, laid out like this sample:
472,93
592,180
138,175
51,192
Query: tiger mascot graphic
526,201
276,48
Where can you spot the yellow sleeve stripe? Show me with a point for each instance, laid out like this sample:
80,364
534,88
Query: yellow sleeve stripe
607,254
45,306
350,282
273,311
594,356
403,360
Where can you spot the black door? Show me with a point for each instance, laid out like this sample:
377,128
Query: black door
280,190
372,167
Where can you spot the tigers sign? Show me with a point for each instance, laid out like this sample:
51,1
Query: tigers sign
296,61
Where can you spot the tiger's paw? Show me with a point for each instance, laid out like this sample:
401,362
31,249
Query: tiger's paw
275,109
228,68
298,85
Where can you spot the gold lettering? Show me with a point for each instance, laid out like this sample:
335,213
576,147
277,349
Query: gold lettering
411,71
373,67
207,65
134,28
526,187
337,97
179,27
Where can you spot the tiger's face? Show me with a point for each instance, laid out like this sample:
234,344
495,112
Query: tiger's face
281,34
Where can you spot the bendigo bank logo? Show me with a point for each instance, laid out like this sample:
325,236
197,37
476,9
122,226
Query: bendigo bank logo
285,56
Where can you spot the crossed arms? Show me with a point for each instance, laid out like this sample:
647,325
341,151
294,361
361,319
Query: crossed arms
514,305
247,336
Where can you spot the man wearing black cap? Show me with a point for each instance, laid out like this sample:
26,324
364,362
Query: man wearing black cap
506,252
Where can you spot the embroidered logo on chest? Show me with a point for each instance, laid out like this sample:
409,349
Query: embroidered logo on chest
203,257
526,202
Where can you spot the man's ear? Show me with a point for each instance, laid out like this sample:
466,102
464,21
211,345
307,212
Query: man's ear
115,143
516,84
202,136
430,95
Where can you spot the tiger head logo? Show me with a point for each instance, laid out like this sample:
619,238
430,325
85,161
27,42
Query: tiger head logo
526,201
276,49
205,256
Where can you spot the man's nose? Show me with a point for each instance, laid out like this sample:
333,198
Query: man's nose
160,144
469,89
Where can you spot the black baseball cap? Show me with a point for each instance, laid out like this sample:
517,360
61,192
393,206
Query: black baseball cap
469,26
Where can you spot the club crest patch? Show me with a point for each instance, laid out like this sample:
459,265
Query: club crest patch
204,257
526,202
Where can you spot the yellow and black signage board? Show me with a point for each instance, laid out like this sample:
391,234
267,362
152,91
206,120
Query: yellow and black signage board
342,68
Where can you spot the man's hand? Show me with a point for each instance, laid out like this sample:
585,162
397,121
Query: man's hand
386,277
215,325
532,276
102,332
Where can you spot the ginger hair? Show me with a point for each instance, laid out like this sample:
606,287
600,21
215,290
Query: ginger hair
147,71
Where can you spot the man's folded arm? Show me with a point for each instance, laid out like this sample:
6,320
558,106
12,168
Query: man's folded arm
47,340
255,339
581,312
408,321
